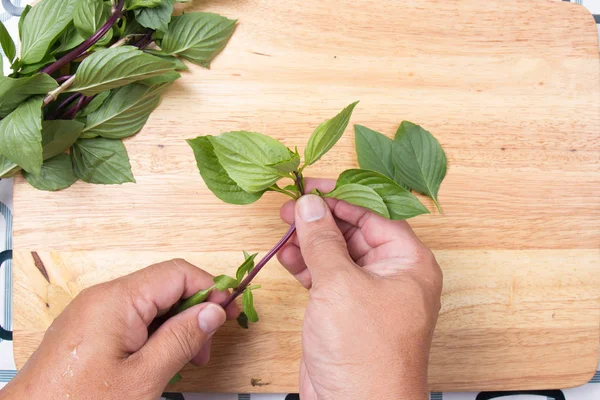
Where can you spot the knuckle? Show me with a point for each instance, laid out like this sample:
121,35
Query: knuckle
420,254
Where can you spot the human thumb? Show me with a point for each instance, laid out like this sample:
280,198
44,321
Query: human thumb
181,338
322,244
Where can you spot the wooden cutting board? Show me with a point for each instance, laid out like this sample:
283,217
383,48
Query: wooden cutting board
510,88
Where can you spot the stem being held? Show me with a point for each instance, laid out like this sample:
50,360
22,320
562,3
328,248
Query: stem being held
240,289
288,235
80,50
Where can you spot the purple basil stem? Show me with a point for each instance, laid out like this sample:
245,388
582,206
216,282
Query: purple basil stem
85,46
61,108
259,266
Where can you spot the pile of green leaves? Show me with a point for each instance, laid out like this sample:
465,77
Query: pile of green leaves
89,74
239,167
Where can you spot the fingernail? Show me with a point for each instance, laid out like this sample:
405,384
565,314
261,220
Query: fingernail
311,208
210,318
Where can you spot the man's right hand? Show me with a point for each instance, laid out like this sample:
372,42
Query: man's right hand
374,300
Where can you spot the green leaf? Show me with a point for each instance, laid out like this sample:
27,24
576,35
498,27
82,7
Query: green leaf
7,168
176,378
111,68
133,27
198,37
93,105
22,19
21,136
124,112
58,135
292,188
249,157
362,196
89,17
156,18
68,40
224,282
167,77
134,4
28,69
179,64
327,134
13,91
248,305
374,151
289,165
42,26
215,177
197,298
419,160
242,320
7,43
246,266
400,203
56,174
101,160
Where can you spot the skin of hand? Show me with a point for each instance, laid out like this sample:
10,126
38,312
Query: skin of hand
99,347
374,298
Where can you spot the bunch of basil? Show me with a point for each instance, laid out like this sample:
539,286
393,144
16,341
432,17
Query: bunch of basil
89,74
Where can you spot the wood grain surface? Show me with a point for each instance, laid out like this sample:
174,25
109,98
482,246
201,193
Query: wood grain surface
509,87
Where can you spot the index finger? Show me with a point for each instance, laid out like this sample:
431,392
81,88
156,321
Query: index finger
159,286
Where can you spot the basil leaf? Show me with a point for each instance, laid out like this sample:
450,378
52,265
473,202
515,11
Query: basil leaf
374,151
291,187
134,4
22,19
176,378
111,68
167,77
7,168
215,177
7,43
156,18
242,320
28,69
42,26
89,17
197,298
289,165
21,136
56,174
327,134
400,203
362,196
179,64
101,160
246,266
13,91
124,112
248,158
248,305
419,160
93,105
198,37
224,282
58,135
68,40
